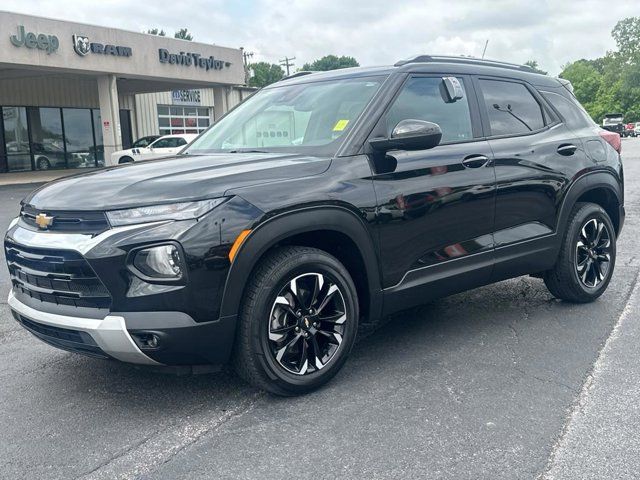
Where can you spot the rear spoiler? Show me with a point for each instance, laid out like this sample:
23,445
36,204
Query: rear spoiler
566,84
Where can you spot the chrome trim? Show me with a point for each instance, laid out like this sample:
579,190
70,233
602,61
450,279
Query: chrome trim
110,333
79,242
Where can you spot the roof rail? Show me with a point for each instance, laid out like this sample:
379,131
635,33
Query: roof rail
465,60
301,73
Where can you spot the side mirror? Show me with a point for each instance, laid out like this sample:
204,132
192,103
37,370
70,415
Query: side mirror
409,134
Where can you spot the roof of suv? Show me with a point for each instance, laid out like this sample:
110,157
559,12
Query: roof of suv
432,64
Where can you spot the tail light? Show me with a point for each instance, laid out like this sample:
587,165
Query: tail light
612,139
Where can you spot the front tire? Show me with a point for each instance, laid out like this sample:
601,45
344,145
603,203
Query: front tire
298,321
587,256
124,160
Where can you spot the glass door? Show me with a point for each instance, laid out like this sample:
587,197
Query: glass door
16,138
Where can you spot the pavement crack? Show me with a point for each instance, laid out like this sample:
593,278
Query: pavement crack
161,446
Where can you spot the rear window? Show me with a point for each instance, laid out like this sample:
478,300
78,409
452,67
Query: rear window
572,114
511,108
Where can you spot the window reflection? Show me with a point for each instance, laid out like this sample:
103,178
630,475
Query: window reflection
79,137
42,138
16,137
47,141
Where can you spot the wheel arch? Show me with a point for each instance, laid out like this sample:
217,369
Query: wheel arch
334,229
600,188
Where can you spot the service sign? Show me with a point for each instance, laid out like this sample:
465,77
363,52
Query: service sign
186,97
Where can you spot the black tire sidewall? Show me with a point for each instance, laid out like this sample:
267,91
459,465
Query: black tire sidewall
307,263
587,213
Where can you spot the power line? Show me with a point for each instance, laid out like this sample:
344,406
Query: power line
287,63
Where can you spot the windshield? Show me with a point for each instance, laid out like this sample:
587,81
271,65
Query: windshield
303,118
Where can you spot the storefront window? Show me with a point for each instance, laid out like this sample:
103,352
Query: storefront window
175,120
79,137
47,141
16,137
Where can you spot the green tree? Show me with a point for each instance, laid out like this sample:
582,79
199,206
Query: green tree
183,34
626,33
331,62
156,31
534,65
611,84
264,74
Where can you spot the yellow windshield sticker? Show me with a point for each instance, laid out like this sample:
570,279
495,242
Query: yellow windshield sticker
340,125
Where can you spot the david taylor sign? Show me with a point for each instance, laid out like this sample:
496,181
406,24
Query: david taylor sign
188,59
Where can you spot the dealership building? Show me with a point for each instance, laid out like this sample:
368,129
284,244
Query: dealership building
71,94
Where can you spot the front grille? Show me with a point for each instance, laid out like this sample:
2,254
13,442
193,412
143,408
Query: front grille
62,277
65,338
66,221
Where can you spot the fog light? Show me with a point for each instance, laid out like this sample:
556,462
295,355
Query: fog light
162,262
146,340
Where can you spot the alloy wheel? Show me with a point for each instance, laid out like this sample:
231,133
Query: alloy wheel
593,253
307,323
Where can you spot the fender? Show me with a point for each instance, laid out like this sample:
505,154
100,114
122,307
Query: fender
589,181
284,225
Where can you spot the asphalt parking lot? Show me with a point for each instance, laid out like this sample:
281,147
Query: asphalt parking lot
499,382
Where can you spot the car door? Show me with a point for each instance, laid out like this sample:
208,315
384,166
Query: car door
535,157
436,206
162,147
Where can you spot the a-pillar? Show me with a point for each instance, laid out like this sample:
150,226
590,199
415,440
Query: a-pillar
109,114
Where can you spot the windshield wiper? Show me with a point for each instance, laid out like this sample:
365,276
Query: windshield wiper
242,150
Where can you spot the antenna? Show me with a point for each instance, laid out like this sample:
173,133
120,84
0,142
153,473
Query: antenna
485,48
287,63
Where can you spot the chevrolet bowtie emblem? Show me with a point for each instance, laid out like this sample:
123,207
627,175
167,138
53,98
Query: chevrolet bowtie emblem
44,221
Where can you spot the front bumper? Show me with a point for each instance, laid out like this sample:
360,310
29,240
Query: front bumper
108,335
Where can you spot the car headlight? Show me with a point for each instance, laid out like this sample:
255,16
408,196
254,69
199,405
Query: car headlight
154,213
162,262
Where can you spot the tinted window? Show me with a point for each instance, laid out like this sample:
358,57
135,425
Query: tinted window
181,142
573,115
423,98
143,142
511,107
166,143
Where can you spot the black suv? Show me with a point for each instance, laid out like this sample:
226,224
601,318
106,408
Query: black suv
324,202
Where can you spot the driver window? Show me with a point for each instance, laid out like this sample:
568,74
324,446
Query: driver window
424,98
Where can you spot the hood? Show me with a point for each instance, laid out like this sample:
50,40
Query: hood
176,179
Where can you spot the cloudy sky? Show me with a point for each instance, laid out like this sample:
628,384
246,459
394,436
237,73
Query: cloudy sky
374,31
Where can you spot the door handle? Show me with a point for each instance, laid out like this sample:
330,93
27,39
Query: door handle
475,161
567,149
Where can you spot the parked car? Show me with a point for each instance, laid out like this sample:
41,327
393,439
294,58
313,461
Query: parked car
636,129
145,141
275,236
164,146
614,122
629,130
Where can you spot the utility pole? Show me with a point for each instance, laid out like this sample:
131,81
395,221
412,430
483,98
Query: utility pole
287,62
245,59
246,56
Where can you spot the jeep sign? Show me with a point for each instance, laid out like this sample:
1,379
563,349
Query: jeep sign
46,43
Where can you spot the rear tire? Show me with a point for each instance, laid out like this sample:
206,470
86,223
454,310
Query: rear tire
587,256
298,321
124,160
43,163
